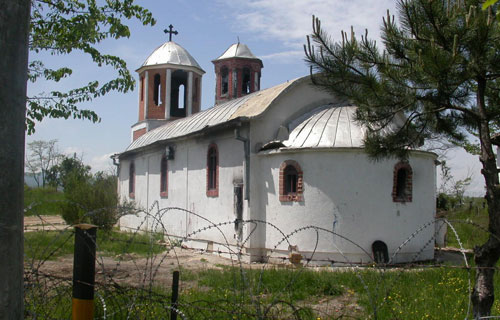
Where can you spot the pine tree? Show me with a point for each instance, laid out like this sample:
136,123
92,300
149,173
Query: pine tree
440,68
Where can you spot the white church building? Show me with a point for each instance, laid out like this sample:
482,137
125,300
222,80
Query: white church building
276,170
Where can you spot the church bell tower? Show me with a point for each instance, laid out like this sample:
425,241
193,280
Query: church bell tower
237,73
169,86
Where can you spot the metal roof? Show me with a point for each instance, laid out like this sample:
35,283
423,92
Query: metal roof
248,106
328,126
171,53
237,50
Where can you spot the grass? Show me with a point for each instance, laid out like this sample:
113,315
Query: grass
470,222
43,245
437,293
232,293
42,201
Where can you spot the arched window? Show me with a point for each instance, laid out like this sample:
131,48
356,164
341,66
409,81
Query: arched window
131,180
164,177
157,89
245,83
212,171
291,182
402,182
224,73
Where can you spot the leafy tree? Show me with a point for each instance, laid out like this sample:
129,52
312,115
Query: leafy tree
89,198
440,68
450,188
64,26
59,174
42,156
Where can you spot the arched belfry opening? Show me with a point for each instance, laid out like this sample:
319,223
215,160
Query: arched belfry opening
237,73
245,81
178,93
157,89
170,86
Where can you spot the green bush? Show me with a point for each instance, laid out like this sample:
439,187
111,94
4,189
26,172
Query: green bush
90,199
42,201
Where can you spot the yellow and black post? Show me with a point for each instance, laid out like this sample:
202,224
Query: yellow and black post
84,272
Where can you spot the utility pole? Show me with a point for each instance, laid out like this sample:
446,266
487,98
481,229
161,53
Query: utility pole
14,28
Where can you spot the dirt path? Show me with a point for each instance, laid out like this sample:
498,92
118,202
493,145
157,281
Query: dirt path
46,223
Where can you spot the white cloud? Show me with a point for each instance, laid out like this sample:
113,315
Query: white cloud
290,21
102,163
284,55
70,151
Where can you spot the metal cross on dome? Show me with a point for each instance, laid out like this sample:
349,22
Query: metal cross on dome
170,32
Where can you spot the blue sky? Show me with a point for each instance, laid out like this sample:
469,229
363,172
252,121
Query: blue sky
275,31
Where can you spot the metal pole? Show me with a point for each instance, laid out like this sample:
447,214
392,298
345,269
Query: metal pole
175,296
84,272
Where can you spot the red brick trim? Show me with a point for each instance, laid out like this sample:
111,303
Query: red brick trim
131,181
295,196
139,132
409,182
213,192
164,176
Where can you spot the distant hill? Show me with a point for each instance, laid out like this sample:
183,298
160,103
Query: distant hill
29,179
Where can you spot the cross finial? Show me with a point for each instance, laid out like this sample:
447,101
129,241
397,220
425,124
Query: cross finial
170,32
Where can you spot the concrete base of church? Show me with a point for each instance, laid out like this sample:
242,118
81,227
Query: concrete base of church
279,257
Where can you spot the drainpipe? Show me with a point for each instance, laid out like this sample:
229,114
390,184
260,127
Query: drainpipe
116,162
246,146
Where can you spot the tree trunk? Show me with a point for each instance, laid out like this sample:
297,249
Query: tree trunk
487,255
14,26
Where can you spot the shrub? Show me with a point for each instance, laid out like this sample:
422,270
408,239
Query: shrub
91,199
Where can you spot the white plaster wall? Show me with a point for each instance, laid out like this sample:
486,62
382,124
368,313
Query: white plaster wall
187,188
346,193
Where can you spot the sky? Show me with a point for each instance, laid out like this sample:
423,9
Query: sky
274,30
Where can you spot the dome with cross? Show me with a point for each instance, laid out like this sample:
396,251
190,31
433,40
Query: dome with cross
173,54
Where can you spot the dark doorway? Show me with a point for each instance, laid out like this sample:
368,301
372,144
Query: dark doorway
380,252
238,210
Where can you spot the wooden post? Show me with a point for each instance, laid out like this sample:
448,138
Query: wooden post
84,272
175,296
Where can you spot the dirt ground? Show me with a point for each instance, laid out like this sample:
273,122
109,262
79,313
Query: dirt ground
36,223
136,271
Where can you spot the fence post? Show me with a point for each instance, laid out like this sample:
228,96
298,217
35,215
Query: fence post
84,272
175,296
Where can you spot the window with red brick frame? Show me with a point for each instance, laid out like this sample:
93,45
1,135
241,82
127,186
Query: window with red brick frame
291,182
164,177
402,187
131,180
212,171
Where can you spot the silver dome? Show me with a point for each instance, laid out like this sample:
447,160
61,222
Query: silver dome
327,127
237,50
171,53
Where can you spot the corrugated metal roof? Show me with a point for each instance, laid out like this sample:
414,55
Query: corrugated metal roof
251,105
237,50
327,127
171,53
